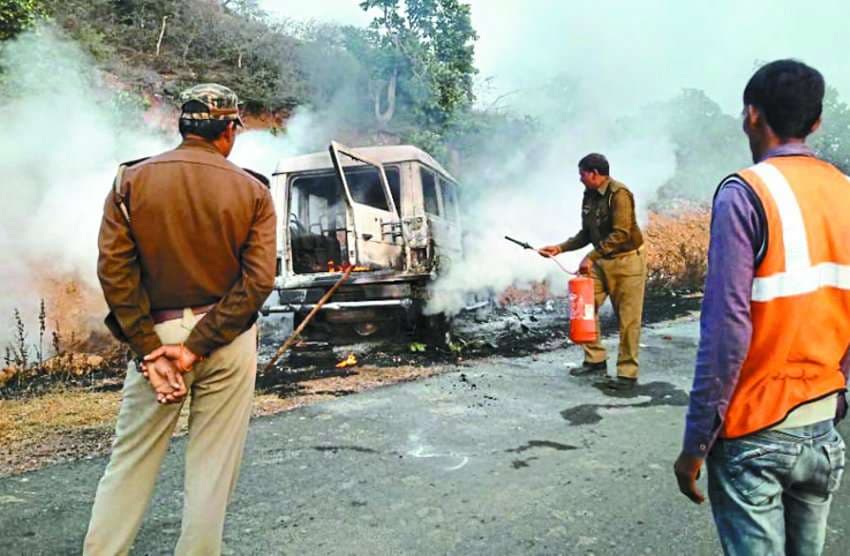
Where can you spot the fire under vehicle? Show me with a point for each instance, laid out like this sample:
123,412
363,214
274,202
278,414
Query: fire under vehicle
390,211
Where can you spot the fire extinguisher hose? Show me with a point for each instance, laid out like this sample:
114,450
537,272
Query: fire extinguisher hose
526,245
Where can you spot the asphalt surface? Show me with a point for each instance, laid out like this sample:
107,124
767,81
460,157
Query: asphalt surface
502,456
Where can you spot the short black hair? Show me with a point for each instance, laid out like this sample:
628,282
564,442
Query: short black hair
208,129
789,94
594,161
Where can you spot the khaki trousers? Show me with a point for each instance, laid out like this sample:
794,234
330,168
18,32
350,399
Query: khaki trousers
622,278
221,392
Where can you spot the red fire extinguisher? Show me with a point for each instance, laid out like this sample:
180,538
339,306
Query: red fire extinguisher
582,310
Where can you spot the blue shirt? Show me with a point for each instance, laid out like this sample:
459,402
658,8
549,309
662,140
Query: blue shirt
734,251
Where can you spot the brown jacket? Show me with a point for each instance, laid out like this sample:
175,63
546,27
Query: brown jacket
201,231
607,221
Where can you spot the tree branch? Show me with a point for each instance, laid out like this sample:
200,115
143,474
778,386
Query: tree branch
387,115
161,35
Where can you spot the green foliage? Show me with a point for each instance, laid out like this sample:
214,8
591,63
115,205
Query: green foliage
408,76
17,15
417,347
832,141
707,144
710,144
189,41
420,54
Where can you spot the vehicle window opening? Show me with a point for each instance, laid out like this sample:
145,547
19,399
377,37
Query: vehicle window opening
317,216
449,191
429,192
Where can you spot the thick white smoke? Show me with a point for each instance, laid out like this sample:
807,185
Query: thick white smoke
67,129
64,135
541,204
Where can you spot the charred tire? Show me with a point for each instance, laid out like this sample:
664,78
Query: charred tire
384,325
429,329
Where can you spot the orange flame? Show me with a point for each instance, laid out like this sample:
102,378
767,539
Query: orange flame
333,267
349,361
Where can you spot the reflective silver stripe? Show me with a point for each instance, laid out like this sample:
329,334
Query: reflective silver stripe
800,277
793,229
802,281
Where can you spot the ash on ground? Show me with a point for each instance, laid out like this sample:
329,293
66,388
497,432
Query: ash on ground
510,330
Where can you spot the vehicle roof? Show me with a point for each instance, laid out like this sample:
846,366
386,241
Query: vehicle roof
384,154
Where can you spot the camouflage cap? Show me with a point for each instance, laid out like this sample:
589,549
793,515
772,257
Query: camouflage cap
221,102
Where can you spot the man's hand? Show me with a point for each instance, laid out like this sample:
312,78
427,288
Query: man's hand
182,357
549,251
687,469
165,379
586,266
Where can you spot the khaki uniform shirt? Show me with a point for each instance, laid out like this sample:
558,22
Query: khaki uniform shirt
201,231
608,222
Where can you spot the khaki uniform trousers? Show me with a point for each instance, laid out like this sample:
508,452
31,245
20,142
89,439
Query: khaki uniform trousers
622,278
221,392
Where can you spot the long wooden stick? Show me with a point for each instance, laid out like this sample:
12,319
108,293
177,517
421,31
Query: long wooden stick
289,341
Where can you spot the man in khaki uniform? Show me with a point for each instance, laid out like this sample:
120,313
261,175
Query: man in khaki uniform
617,265
186,259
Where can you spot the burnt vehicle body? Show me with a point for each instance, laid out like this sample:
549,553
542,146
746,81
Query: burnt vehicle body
390,211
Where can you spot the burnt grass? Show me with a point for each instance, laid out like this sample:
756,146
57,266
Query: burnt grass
510,331
36,382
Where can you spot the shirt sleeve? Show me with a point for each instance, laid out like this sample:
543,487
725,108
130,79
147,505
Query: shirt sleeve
120,275
737,231
235,312
622,216
576,242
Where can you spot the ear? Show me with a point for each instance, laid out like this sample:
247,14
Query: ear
753,116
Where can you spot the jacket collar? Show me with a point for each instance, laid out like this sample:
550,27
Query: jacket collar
789,149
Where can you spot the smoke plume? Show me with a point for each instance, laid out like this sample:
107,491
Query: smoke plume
65,134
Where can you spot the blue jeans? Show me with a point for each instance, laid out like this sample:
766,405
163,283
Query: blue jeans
770,492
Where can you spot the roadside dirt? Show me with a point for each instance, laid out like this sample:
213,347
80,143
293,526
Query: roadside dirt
66,421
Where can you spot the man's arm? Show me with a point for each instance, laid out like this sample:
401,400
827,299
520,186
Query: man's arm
622,216
737,233
233,313
120,277
576,242
725,323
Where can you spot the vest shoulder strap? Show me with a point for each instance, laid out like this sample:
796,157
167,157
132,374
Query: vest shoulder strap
761,249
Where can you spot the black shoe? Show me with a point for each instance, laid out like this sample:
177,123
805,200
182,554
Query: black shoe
590,368
620,384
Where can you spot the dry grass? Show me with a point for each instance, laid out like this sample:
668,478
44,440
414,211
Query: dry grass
64,411
535,293
677,249
70,424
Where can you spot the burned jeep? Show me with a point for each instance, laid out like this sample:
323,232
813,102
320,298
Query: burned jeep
390,211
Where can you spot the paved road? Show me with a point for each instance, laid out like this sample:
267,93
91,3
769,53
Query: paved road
504,456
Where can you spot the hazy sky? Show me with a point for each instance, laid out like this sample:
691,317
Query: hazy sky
636,51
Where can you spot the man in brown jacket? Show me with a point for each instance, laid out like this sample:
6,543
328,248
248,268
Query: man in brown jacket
617,265
187,257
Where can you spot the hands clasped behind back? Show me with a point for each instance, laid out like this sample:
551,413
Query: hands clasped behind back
164,368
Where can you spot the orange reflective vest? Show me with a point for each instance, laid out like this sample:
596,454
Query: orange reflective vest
800,305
